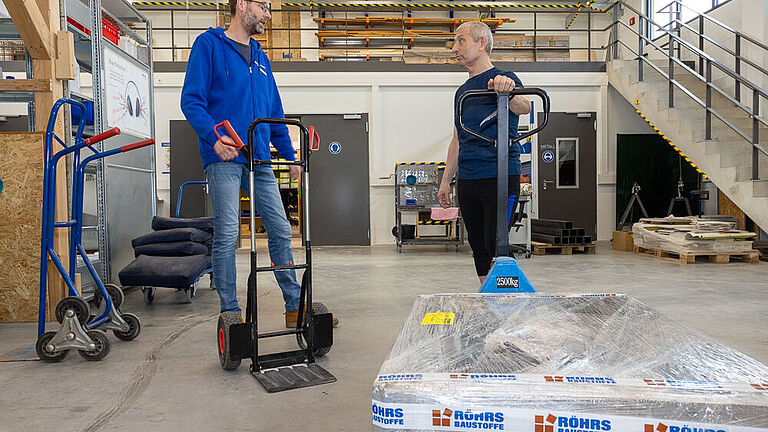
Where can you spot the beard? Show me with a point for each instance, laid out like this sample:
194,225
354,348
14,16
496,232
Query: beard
252,25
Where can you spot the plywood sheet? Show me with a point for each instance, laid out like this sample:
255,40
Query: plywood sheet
21,169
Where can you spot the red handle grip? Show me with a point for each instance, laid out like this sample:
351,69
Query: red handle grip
314,139
134,146
231,132
102,136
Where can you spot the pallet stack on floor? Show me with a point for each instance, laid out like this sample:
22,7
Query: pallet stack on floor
560,237
687,240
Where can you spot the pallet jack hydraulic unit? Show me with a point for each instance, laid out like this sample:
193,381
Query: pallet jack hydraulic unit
314,331
505,275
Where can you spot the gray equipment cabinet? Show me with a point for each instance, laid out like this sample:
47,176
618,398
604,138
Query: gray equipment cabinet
416,187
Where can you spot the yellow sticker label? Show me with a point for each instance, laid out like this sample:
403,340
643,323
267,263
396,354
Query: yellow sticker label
440,318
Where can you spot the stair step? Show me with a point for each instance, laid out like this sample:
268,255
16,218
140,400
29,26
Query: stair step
760,188
739,174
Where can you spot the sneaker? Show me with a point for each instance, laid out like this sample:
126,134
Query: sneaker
292,317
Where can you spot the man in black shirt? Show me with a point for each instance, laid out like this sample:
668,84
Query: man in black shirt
474,159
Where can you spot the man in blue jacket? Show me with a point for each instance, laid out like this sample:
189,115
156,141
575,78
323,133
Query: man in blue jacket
229,77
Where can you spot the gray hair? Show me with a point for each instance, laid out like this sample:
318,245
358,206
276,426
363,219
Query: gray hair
478,29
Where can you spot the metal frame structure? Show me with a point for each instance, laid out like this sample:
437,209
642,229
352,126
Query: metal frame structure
568,10
672,49
458,237
84,20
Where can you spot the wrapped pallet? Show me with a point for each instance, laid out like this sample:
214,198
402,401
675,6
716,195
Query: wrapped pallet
690,235
575,363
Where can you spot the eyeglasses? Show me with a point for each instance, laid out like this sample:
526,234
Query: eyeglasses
265,6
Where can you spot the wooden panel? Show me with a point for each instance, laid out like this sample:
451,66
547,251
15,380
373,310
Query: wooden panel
727,207
21,169
65,55
32,24
25,85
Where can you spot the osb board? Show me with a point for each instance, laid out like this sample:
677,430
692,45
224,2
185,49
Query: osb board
21,169
727,207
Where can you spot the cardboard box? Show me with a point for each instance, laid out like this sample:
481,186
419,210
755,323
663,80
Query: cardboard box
623,241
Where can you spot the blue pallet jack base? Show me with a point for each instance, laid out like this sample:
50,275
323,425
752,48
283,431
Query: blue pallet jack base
506,277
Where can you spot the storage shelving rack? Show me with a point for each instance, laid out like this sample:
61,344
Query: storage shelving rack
419,195
126,181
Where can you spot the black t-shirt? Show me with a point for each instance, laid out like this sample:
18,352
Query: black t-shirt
245,50
477,158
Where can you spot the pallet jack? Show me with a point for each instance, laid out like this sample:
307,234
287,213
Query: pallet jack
314,331
505,275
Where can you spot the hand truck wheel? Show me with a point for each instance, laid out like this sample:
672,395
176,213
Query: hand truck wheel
100,346
135,328
115,293
77,304
226,319
319,309
45,355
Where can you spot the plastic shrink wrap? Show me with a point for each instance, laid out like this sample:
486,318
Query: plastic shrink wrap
562,363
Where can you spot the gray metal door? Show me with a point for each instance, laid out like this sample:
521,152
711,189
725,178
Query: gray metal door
339,192
186,165
567,172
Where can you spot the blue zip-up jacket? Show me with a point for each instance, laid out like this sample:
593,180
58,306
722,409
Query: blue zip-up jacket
220,85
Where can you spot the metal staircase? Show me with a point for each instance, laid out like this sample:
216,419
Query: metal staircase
693,89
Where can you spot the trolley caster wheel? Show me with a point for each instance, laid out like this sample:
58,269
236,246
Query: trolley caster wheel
45,355
190,292
135,328
149,294
319,309
100,346
115,293
77,304
528,254
226,319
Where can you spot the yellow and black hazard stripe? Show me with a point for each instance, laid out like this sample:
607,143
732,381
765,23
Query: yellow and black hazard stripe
313,5
435,222
362,5
420,163
674,147
175,3
589,5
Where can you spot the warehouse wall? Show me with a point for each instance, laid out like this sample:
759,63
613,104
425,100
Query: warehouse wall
411,120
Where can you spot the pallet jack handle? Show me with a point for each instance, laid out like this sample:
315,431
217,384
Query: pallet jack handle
469,94
502,151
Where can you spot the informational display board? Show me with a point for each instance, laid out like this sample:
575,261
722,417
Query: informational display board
127,94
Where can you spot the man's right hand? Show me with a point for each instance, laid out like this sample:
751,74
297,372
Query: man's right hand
225,152
444,195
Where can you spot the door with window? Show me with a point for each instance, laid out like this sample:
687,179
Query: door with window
567,170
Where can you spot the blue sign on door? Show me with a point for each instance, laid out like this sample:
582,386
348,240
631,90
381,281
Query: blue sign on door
548,156
334,147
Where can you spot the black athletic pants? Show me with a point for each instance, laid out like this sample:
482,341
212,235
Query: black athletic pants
477,201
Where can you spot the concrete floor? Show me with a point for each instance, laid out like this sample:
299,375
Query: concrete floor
169,378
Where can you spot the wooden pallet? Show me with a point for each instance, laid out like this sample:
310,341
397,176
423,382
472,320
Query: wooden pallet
752,257
545,249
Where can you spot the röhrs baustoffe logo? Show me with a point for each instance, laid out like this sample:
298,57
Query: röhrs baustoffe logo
661,427
553,423
468,419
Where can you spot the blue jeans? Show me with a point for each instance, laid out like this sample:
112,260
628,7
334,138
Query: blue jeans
225,179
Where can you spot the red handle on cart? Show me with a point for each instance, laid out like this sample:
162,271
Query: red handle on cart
314,139
231,132
102,136
134,146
